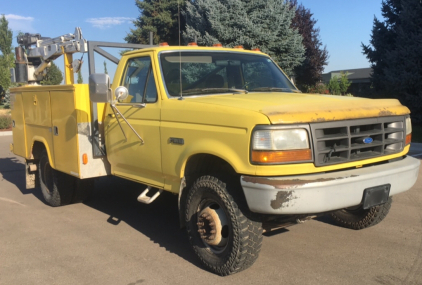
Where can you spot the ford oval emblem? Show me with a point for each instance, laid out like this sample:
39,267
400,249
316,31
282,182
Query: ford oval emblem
367,140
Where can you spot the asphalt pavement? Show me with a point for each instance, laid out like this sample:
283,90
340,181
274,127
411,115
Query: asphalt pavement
113,239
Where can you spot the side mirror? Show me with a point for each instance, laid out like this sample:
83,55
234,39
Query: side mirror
121,93
99,88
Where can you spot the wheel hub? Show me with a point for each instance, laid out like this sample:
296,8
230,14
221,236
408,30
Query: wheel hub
212,224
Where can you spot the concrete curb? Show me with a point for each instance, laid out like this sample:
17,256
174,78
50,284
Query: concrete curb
8,133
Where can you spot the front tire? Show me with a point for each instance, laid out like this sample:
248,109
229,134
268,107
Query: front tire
224,239
358,218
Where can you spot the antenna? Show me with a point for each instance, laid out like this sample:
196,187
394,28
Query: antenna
180,54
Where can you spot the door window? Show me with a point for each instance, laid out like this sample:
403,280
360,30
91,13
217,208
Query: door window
139,80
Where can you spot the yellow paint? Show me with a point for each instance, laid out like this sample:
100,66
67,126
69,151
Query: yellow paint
68,70
64,118
131,158
19,133
36,108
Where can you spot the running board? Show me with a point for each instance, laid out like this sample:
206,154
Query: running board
143,198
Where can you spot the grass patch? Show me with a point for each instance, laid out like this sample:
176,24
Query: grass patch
5,121
416,133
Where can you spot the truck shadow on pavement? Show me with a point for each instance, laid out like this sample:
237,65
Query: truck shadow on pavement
158,221
13,170
116,198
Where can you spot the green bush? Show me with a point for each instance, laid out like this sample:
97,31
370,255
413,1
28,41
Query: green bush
5,122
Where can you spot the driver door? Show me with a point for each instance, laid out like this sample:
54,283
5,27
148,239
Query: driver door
131,158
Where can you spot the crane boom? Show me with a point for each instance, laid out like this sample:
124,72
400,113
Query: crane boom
35,53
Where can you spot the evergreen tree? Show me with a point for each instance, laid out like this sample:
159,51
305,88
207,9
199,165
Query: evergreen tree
316,56
7,57
159,17
383,39
403,72
53,77
395,53
251,23
80,78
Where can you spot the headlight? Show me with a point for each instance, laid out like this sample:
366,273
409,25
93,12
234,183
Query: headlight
408,130
280,146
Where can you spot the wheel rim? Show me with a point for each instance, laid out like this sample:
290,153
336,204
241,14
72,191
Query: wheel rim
213,225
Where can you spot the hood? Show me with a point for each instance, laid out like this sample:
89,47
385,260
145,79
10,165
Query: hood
293,108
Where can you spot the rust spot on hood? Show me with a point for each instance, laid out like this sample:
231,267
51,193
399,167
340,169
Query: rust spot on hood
384,113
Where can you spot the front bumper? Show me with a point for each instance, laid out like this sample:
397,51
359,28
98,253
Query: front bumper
317,193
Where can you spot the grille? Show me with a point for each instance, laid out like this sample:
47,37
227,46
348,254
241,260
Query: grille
343,141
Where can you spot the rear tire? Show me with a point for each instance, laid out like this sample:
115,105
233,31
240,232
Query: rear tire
224,239
57,187
359,218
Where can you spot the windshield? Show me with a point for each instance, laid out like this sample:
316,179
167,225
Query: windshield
201,73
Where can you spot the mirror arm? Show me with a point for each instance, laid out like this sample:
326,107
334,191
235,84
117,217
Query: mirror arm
140,105
118,121
113,107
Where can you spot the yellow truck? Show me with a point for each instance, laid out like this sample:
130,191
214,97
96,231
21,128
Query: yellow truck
222,128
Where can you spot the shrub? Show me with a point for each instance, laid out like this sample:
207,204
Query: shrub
5,122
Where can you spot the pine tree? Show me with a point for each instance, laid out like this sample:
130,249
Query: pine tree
383,39
7,57
80,78
395,53
251,23
159,17
309,72
403,73
53,77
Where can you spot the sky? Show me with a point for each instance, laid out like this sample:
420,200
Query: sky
343,25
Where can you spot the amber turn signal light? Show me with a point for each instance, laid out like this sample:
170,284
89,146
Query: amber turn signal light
408,138
217,45
281,156
85,158
163,44
238,47
192,44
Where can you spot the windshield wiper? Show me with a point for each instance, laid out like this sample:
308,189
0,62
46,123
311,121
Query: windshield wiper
211,90
279,89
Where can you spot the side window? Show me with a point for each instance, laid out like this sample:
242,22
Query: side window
139,80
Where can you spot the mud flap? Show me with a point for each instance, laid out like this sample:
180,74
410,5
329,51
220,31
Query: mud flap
32,179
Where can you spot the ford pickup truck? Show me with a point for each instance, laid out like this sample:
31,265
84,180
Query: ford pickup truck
225,130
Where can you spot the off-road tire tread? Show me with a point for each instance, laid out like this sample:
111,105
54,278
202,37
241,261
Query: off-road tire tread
247,234
366,218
